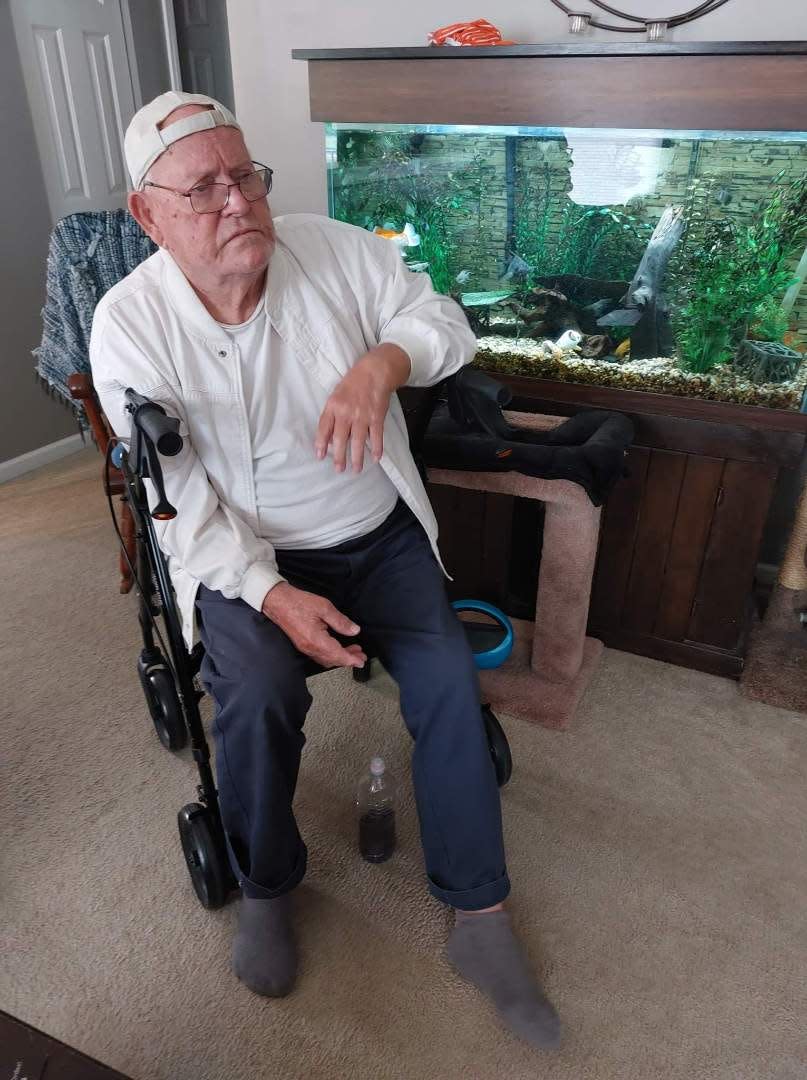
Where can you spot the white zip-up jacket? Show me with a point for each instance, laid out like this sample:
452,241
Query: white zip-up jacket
333,292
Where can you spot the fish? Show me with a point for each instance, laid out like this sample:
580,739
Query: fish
516,268
599,308
407,237
623,349
463,276
621,317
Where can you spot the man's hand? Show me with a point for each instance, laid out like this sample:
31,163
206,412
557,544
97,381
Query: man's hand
356,409
305,618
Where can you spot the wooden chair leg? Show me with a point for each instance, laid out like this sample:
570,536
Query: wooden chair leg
81,389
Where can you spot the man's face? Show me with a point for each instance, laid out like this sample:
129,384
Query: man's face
236,241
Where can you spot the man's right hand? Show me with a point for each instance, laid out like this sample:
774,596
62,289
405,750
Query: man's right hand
306,618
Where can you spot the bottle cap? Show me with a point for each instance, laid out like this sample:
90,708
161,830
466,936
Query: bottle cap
377,766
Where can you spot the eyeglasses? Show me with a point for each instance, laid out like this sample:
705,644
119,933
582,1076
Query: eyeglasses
212,198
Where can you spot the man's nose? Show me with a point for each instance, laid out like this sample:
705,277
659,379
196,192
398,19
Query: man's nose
236,204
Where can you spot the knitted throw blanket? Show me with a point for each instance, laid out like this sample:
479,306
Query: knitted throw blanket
89,252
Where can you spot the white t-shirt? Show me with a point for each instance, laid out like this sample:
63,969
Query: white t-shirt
302,502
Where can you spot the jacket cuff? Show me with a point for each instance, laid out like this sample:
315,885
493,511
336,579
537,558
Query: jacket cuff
256,583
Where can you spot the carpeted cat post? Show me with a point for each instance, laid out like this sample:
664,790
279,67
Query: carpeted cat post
552,661
776,665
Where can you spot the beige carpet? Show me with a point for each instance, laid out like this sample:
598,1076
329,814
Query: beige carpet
657,850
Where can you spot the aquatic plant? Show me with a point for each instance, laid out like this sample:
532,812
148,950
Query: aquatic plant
769,322
735,268
383,179
533,205
555,235
600,241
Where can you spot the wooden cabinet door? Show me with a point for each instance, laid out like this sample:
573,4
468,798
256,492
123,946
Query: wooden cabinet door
475,541
719,613
678,550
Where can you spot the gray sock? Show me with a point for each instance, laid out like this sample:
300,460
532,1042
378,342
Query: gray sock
264,949
484,949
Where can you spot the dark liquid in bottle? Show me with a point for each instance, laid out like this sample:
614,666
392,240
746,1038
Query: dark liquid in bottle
377,835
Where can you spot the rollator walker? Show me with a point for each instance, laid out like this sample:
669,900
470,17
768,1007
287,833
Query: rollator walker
169,672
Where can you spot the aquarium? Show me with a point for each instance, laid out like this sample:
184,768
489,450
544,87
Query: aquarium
663,261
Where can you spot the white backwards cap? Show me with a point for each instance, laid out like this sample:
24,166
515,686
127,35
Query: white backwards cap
144,141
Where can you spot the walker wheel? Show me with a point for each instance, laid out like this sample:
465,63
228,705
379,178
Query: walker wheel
205,855
363,674
499,746
161,698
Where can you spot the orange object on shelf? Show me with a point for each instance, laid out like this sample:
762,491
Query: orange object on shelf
478,32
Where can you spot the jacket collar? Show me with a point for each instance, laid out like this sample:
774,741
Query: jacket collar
296,308
197,319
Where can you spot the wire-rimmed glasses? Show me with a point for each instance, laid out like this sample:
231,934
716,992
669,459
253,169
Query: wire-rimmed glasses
213,197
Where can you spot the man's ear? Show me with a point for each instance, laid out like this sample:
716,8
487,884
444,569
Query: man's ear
141,211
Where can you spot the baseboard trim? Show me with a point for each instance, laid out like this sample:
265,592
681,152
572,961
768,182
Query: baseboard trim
44,455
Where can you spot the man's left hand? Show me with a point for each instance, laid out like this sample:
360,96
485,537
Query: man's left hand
356,410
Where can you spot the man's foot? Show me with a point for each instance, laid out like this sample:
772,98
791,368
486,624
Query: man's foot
484,949
264,949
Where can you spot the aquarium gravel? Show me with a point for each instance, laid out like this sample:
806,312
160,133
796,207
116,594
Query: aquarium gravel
660,375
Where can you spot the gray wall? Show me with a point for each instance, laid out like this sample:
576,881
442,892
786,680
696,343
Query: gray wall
28,417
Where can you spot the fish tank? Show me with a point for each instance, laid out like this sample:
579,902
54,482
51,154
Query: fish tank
653,260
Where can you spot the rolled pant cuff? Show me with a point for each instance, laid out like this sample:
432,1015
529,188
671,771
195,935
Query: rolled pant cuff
483,896
261,892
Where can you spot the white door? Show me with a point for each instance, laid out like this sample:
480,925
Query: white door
79,86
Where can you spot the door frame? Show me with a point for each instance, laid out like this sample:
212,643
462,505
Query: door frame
131,55
171,48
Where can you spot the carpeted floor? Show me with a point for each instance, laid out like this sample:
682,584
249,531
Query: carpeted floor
657,851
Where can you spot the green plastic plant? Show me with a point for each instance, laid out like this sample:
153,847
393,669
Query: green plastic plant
599,241
727,271
383,179
555,235
769,322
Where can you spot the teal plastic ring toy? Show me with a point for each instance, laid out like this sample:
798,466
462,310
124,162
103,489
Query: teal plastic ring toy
495,657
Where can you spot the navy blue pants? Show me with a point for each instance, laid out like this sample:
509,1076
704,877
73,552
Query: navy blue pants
391,585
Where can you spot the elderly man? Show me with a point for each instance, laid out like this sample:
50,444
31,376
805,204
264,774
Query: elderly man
302,518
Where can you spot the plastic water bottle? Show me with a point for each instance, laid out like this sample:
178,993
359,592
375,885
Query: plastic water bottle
376,803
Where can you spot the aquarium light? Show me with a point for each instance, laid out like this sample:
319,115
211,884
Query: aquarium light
655,28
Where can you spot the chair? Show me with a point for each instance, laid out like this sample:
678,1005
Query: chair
168,674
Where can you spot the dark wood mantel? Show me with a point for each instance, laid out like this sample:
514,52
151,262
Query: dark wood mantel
559,48
751,86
